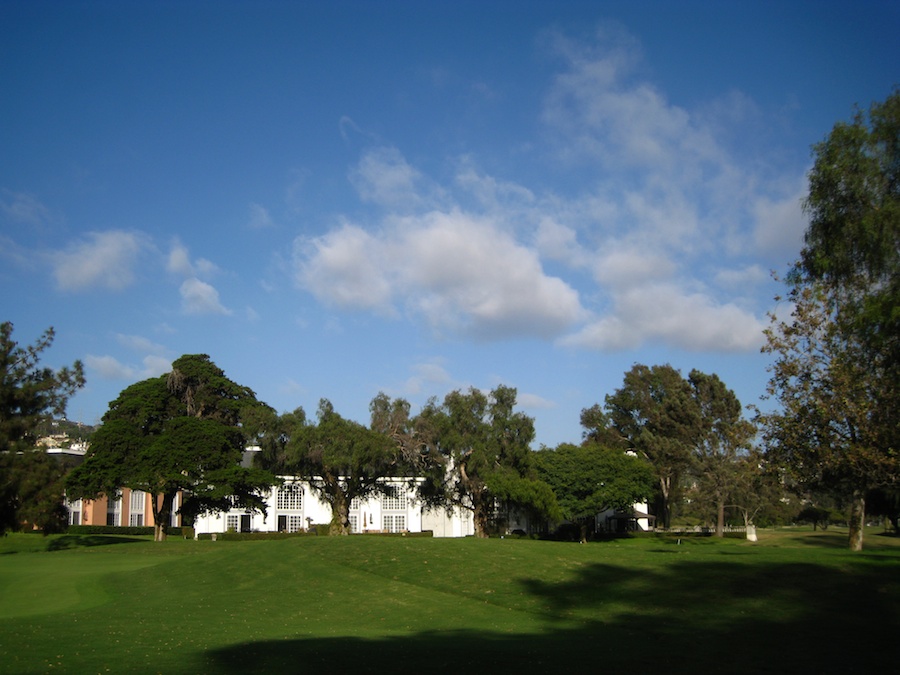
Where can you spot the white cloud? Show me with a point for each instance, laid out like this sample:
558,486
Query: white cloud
560,243
260,218
426,374
384,177
179,263
627,268
780,224
140,344
155,366
110,368
198,297
465,274
104,260
535,402
462,273
742,277
665,313
344,268
20,207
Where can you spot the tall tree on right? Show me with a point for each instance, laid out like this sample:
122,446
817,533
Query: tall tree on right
837,360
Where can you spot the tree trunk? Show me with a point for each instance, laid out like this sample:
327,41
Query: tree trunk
161,507
857,520
340,515
720,517
481,515
664,483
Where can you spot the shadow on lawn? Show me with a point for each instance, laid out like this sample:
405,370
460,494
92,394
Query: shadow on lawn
689,617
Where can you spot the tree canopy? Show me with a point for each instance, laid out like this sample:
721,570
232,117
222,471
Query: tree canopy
656,415
479,454
29,395
588,479
180,432
341,460
837,360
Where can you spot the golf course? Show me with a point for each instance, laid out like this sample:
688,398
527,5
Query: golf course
795,602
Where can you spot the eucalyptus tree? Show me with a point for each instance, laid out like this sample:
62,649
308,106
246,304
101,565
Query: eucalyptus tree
655,414
341,460
477,455
723,438
837,359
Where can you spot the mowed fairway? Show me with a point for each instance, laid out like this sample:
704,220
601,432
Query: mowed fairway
793,603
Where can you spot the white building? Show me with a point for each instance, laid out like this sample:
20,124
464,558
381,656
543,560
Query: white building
294,507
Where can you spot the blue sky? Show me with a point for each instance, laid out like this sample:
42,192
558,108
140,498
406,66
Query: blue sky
336,199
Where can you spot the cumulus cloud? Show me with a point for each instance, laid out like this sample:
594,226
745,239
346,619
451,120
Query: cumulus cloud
345,268
198,297
139,344
179,263
660,239
664,313
535,402
463,274
110,368
102,260
384,177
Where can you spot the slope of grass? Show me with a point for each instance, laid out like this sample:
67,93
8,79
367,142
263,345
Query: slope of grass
793,603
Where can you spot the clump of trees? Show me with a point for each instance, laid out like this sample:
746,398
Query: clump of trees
31,490
691,431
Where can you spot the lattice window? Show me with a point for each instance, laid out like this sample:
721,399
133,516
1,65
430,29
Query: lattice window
290,497
395,523
394,502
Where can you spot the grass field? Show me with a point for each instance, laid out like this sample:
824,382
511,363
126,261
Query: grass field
796,602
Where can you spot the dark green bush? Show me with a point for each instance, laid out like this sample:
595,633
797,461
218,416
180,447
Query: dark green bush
126,530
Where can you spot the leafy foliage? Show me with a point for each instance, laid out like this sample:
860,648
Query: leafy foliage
477,452
29,395
657,416
837,368
177,432
589,478
340,459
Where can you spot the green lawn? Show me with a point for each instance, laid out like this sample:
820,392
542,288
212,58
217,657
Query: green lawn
796,602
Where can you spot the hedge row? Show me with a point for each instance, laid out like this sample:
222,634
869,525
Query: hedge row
127,530
320,530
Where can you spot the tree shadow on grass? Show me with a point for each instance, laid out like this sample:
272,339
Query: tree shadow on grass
689,617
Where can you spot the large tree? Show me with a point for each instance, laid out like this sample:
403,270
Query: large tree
723,437
29,394
837,368
655,414
181,432
341,460
588,479
480,456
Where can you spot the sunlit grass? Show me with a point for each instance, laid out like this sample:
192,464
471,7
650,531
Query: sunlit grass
370,604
